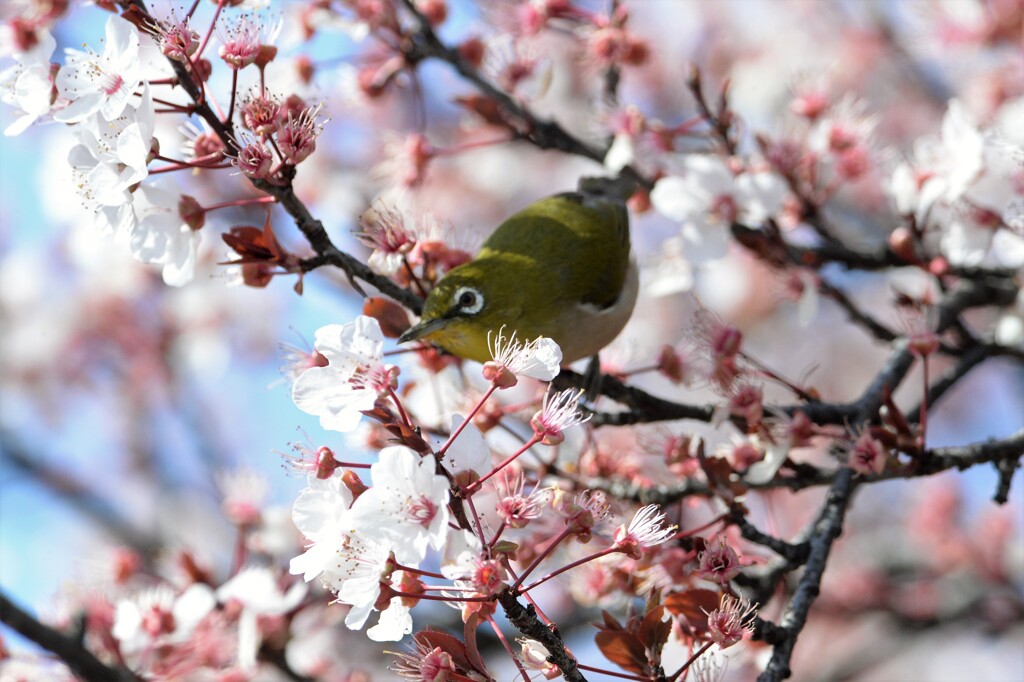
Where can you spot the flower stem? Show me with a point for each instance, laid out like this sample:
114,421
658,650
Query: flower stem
469,418
209,33
597,555
700,652
508,460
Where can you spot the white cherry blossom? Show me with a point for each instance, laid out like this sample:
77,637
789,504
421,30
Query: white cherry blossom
468,452
320,513
157,616
540,358
940,168
160,234
28,84
708,197
353,379
407,506
112,156
258,592
395,622
349,563
356,574
101,83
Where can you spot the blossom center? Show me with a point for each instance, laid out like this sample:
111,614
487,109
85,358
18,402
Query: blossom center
724,208
111,83
421,510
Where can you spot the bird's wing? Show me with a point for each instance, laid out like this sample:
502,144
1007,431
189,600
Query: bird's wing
566,229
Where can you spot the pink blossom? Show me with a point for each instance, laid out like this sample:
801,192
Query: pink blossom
867,456
560,412
733,619
645,530
297,134
718,562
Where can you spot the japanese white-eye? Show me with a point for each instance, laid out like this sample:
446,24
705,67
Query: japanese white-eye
560,268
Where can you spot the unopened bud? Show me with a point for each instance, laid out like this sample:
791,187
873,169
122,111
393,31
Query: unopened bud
435,11
354,484
393,318
265,55
126,564
304,65
692,76
472,50
154,151
192,214
202,68
640,202
670,364
901,242
938,266
499,375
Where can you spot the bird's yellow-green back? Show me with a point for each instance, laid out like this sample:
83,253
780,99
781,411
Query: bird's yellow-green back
543,265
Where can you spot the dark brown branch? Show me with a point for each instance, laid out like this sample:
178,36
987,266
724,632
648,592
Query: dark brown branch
80,660
425,44
932,462
827,528
873,326
794,554
836,252
829,524
1006,468
524,619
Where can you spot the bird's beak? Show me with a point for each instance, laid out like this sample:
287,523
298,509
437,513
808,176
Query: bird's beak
423,329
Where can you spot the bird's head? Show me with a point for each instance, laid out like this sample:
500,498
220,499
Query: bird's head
460,311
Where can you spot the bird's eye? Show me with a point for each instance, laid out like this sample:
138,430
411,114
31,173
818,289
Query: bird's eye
469,300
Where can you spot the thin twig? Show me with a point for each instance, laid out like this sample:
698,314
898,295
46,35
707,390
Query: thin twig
77,494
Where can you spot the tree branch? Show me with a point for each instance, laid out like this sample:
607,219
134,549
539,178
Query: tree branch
80,660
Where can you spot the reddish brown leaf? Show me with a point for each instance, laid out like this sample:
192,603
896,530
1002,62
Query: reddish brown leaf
623,649
392,317
694,605
655,629
453,646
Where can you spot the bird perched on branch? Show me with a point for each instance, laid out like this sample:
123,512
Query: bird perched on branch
560,268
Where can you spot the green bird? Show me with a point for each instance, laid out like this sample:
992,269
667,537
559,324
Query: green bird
560,268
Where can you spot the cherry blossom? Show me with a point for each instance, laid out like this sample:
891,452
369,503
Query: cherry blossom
719,562
161,234
730,621
540,359
406,508
157,617
28,85
645,530
242,40
353,379
559,412
112,156
709,197
468,452
356,576
259,594
101,83
940,168
320,512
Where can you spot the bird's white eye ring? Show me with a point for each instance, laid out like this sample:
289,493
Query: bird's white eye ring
468,300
